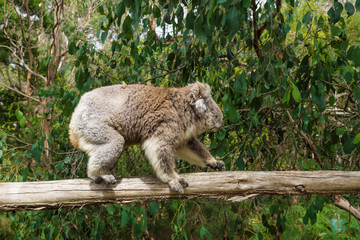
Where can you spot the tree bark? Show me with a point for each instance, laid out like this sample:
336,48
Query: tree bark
345,205
57,8
80,192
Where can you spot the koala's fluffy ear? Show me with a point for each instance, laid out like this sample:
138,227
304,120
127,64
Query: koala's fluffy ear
199,90
200,105
197,93
194,93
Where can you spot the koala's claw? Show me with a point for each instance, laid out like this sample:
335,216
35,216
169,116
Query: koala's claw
178,185
217,165
183,182
98,180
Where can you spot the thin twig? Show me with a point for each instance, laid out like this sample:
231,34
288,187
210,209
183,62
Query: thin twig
23,94
166,73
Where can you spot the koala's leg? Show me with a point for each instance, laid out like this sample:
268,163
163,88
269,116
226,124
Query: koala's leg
161,158
104,146
195,153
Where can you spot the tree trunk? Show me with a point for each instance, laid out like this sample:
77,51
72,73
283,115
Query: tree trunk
81,192
57,8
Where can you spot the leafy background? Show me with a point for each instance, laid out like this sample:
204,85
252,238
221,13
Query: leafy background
285,73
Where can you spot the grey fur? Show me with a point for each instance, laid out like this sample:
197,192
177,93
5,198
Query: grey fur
164,121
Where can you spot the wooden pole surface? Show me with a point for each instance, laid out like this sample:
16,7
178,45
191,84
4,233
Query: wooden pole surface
235,186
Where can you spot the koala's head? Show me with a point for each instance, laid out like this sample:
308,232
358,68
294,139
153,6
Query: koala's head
206,110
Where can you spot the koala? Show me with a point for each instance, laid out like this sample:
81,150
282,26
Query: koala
165,121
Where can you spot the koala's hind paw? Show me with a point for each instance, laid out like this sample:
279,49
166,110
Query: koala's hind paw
217,165
178,185
108,179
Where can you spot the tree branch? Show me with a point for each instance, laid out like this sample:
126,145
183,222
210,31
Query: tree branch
166,73
257,32
307,139
237,186
260,30
23,64
344,204
21,93
309,142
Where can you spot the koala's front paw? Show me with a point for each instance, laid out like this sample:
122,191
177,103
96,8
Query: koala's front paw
217,165
178,185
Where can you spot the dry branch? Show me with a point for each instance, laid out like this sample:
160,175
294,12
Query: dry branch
81,192
345,205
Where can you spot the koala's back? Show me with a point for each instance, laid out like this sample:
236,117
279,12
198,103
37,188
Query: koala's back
132,110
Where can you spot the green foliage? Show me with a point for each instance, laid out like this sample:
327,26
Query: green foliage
314,208
282,219
271,67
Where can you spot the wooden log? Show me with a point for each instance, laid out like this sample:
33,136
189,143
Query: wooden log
229,185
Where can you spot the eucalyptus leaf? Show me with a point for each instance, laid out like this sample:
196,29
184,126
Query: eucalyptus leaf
167,17
340,131
331,14
125,219
156,11
180,13
240,163
335,30
190,18
296,93
286,97
199,30
357,5
103,36
349,146
202,232
212,4
19,114
357,139
240,84
120,10
338,7
307,18
101,9
356,93
355,55
37,150
349,9
232,19
72,48
65,68
153,208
